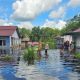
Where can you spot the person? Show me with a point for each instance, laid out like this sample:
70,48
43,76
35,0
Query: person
39,49
66,48
72,47
66,45
61,49
46,49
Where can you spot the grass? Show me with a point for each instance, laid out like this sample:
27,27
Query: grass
77,55
52,45
6,58
29,55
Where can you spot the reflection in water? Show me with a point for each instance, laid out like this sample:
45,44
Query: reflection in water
51,68
54,67
8,72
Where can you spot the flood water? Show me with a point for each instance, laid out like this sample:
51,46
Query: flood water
51,68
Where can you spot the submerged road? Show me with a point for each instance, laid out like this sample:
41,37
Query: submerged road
52,68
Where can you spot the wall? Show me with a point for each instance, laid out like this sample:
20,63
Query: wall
16,40
15,35
68,37
78,41
8,42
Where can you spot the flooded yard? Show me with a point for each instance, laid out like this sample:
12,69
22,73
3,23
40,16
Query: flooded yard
51,68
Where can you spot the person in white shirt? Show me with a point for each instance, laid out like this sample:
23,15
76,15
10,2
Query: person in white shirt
46,49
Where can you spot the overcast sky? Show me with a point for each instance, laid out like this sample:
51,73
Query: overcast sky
29,13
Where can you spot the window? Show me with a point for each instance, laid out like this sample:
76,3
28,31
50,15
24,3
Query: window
2,42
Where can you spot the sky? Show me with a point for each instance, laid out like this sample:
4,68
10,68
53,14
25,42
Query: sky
43,13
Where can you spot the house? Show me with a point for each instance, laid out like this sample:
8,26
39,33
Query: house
24,42
67,38
59,41
9,39
76,39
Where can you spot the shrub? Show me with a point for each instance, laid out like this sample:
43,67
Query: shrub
6,58
77,55
29,55
52,45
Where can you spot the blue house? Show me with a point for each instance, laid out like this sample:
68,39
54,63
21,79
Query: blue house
9,39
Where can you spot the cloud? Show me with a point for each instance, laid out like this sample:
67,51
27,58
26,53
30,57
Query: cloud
60,24
58,13
5,23
52,24
29,9
74,3
26,25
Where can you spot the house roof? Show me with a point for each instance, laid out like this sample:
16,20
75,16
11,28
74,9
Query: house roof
25,39
77,31
7,30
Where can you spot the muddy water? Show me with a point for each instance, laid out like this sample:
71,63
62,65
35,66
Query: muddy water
51,68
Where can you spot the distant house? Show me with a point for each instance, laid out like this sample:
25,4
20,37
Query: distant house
76,39
9,39
67,38
59,41
24,42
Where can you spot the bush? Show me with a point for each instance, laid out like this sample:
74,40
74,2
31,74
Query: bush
6,58
52,45
29,55
77,55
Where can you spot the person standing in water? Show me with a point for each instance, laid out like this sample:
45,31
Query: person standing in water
39,49
46,50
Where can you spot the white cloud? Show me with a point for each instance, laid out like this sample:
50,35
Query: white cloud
5,23
26,25
58,13
48,23
29,9
74,3
60,24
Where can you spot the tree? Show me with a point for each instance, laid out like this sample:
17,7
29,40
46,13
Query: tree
35,34
72,24
24,32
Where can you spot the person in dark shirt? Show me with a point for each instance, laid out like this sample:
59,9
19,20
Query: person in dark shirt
66,48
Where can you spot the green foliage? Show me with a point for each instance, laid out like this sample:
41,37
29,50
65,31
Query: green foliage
77,55
44,34
35,34
24,32
52,45
72,24
6,58
29,55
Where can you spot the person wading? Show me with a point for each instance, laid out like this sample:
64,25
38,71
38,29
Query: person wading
39,49
46,50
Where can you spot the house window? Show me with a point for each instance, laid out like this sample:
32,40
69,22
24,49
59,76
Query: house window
2,42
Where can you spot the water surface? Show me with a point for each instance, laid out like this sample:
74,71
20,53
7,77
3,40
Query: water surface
51,68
